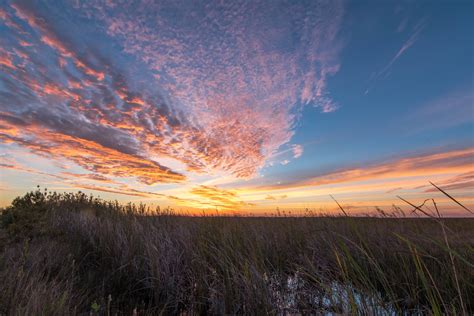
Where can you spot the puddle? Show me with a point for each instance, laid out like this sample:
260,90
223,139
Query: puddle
295,297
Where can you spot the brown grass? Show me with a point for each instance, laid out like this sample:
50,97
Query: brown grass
74,254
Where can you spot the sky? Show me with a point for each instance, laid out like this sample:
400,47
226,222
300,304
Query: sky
239,107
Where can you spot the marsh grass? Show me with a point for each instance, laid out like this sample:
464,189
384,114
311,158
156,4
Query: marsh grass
65,254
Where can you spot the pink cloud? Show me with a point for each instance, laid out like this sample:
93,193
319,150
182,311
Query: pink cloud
217,90
297,151
233,69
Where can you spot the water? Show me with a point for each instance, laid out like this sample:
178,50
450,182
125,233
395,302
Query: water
295,296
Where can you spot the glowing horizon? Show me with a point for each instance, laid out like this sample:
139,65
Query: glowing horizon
239,107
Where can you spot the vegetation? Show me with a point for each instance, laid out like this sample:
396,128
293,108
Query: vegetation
75,254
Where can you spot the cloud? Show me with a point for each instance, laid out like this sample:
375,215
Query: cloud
217,197
393,190
276,197
448,111
13,165
241,70
6,59
403,24
385,71
216,88
455,161
74,180
462,181
116,191
297,151
49,37
409,43
69,115
89,176
88,154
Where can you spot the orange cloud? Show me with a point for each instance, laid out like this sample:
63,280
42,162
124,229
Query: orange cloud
276,197
88,154
6,61
456,161
69,179
49,38
221,198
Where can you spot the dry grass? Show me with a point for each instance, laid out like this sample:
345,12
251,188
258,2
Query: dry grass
73,254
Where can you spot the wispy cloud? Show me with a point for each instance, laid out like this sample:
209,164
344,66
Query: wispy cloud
462,181
88,176
451,110
409,43
14,166
449,162
128,192
413,37
403,24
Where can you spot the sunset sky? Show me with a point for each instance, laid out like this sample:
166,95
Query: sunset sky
239,106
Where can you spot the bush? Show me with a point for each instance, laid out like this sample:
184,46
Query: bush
27,215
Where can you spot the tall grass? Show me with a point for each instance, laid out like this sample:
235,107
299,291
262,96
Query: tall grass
75,254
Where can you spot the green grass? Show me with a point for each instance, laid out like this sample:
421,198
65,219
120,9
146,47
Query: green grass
74,254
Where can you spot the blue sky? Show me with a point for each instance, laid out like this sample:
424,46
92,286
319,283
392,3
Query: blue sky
241,106
436,66
393,118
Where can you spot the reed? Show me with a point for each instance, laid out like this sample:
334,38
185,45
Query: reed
75,254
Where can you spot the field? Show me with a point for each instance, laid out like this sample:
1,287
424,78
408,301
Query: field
64,254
